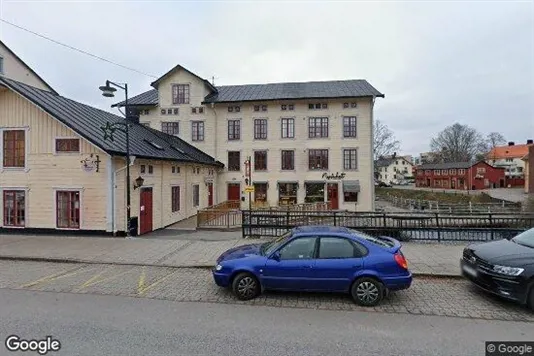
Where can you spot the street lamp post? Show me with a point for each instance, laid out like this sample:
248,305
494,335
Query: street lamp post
108,91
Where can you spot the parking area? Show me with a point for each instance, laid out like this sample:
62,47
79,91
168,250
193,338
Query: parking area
427,296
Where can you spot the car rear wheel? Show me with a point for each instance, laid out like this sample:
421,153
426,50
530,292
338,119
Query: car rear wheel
367,292
246,286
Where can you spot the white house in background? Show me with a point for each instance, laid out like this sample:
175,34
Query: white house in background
307,141
12,67
393,169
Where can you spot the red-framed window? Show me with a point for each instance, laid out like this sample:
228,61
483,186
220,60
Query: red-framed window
14,208
68,209
175,199
14,150
68,145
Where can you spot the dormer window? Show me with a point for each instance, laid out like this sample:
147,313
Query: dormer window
180,94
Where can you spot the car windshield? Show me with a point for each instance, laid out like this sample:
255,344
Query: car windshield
525,238
268,247
372,239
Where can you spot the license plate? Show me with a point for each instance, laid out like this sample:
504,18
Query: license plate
470,270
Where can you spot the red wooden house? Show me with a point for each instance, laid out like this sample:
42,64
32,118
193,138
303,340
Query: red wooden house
460,175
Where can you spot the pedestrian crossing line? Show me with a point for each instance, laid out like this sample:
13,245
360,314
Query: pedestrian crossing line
142,291
94,280
52,278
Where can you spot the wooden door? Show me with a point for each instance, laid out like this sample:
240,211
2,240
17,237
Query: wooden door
234,191
210,194
145,211
333,195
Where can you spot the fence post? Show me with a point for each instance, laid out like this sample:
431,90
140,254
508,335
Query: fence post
228,218
287,218
491,226
384,221
243,223
335,215
438,227
470,208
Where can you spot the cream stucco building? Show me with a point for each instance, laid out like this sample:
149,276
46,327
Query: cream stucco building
307,141
393,169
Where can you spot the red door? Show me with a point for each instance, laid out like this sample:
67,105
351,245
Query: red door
210,194
234,191
145,211
333,195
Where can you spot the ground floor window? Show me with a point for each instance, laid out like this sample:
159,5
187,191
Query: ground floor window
196,195
260,192
287,193
68,209
14,208
175,196
314,192
351,189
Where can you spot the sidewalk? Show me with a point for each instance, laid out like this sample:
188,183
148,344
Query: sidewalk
423,258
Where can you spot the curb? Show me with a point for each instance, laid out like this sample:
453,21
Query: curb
199,266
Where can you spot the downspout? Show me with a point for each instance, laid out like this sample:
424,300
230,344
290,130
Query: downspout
372,156
161,196
215,155
114,196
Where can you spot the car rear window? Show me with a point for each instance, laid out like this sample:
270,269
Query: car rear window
376,240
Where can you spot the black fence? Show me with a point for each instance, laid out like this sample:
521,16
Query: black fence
403,226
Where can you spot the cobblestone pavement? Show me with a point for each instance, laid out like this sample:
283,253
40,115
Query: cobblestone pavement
427,296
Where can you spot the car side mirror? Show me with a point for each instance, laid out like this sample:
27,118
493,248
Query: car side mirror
276,256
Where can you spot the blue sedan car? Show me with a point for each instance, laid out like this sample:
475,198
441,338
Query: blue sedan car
319,259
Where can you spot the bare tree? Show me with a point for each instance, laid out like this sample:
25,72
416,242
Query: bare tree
384,142
458,143
493,140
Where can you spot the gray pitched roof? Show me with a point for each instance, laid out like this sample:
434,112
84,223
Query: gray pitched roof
275,91
384,162
148,98
449,165
293,91
87,122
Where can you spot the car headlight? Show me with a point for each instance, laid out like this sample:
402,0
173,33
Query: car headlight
509,271
218,267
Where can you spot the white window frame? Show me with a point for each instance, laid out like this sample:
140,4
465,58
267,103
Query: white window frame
26,206
80,191
193,194
66,138
26,149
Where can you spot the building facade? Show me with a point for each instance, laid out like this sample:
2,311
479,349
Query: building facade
460,175
57,172
307,142
510,157
393,169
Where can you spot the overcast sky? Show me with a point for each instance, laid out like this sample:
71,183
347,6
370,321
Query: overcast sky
437,62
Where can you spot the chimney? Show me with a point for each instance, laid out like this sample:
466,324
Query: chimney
132,114
511,143
530,142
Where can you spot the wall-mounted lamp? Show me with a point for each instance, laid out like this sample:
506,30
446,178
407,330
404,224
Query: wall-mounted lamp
138,182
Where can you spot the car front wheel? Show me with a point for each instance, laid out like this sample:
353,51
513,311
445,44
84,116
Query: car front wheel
367,292
246,286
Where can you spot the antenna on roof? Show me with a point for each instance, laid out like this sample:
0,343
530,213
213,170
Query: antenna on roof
213,80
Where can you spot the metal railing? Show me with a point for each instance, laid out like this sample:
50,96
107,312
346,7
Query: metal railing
440,207
404,226
225,214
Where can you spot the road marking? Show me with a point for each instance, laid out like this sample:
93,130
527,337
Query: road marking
145,289
52,277
141,283
94,280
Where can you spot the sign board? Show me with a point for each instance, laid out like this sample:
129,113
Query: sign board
334,176
249,189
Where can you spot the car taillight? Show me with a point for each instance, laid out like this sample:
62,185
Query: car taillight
401,261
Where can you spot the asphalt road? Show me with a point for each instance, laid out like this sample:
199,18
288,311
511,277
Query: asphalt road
112,325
